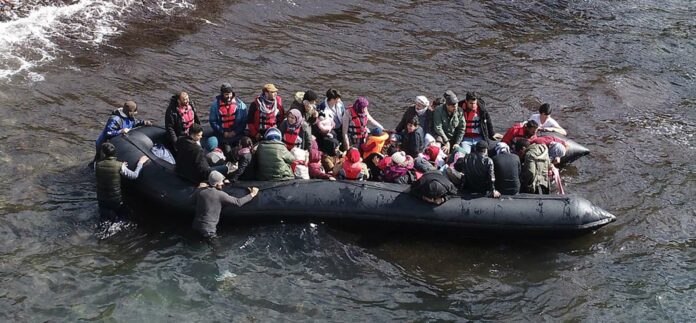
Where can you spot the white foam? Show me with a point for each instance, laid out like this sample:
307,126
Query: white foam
31,41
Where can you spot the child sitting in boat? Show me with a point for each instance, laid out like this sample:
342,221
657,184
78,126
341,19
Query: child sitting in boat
244,157
316,170
352,167
400,170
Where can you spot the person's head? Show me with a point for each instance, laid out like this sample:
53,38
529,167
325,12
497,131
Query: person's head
502,148
130,109
412,124
544,112
482,147
374,158
422,103
399,158
196,132
332,96
211,143
471,100
353,155
530,128
376,131
108,150
310,99
556,151
245,142
270,92
183,99
521,145
451,101
227,92
272,134
216,179
361,103
294,117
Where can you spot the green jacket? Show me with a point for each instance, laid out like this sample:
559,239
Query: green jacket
273,162
449,128
108,176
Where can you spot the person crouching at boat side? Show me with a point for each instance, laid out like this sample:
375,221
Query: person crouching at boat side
355,122
546,123
295,131
525,130
244,160
400,170
120,122
333,108
507,168
477,122
352,168
316,169
273,159
191,162
228,118
478,173
265,112
108,173
448,122
180,116
433,187
413,138
209,202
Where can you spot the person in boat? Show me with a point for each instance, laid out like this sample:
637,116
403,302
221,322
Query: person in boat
244,159
526,130
179,117
308,106
355,120
108,172
413,138
507,168
325,135
546,122
375,142
535,168
448,122
191,162
209,202
420,109
433,187
478,173
297,100
372,162
265,112
352,168
477,122
214,154
296,132
228,118
333,108
120,122
400,170
273,159
557,147
316,169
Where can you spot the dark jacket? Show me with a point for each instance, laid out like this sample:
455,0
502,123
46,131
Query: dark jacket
477,173
173,122
426,121
413,143
507,173
487,130
433,184
243,162
191,163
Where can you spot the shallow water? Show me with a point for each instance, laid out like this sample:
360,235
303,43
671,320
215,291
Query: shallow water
620,75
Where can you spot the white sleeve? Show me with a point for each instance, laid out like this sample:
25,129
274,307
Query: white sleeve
129,174
551,123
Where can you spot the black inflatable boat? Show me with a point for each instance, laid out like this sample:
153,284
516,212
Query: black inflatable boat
353,202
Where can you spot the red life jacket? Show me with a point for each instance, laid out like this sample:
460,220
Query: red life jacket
473,123
227,113
268,119
186,117
357,128
352,171
291,138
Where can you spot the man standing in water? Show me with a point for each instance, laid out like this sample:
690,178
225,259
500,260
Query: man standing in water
108,172
210,201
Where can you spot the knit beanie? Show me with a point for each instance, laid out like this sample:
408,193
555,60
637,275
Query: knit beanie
272,134
215,178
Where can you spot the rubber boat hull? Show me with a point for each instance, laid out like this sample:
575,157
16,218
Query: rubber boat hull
359,202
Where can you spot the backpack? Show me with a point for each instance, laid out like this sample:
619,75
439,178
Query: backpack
535,174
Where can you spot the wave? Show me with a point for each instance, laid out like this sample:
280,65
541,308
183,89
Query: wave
34,34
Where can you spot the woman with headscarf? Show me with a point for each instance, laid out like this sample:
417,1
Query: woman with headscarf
355,122
295,131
